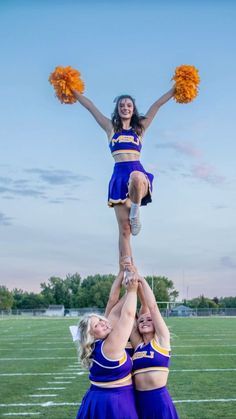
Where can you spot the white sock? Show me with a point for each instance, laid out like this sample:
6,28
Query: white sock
134,210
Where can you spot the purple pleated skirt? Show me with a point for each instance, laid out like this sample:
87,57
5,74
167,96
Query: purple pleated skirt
108,403
118,186
155,404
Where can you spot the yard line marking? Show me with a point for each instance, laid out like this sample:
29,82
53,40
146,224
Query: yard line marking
39,349
174,355
14,374
64,378
59,382
194,346
204,370
205,401
43,395
51,388
46,404
22,414
37,359
52,404
205,339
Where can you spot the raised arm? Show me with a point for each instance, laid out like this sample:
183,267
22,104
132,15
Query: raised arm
116,341
114,293
161,329
141,295
135,337
152,111
102,120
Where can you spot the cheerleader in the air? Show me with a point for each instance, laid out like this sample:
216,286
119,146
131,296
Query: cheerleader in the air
130,185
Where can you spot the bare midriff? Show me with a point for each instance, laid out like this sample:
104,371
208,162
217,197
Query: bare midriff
125,157
114,385
150,380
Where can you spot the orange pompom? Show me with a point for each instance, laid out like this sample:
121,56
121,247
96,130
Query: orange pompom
186,79
64,80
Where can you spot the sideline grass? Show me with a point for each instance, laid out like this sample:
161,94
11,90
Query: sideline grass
41,353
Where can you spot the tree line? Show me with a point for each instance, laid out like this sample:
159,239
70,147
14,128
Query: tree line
93,291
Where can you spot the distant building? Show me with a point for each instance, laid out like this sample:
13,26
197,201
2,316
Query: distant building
181,311
55,310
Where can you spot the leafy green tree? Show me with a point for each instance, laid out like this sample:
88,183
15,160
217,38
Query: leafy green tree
94,291
18,296
227,302
27,300
6,298
163,288
202,302
62,291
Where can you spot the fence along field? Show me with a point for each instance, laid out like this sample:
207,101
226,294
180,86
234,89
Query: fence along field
41,377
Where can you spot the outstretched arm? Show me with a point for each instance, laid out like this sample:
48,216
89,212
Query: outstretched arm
102,120
152,111
161,329
116,341
141,295
114,293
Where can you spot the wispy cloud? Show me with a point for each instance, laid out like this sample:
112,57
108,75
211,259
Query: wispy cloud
207,173
39,183
220,206
182,147
59,177
4,219
228,262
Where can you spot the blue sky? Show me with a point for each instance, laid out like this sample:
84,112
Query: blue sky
55,163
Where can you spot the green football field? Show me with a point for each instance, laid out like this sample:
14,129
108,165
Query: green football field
40,375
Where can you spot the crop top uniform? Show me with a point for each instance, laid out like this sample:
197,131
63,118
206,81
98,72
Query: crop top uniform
150,357
154,403
105,371
110,395
126,141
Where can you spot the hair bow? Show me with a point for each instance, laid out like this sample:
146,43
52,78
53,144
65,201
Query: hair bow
75,332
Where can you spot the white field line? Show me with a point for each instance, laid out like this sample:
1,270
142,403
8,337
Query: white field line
15,374
52,404
226,333
204,370
206,401
51,388
22,414
14,337
206,338
43,395
45,343
59,382
40,349
37,359
73,366
184,335
64,378
184,355
82,373
205,346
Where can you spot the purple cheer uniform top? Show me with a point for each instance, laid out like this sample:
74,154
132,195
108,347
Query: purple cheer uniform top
155,403
126,141
105,371
110,396
150,357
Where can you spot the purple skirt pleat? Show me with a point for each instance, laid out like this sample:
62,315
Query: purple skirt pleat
108,403
155,404
119,183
